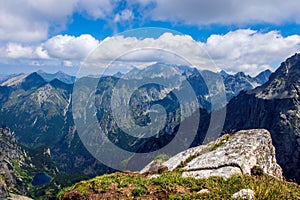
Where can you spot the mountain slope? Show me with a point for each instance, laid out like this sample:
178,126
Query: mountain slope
39,112
19,165
184,180
274,106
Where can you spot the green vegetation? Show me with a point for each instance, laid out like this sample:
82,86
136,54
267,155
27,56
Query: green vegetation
171,185
214,145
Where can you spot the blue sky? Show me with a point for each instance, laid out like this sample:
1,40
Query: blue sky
53,35
100,29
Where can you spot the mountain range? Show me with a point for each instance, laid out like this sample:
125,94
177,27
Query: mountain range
38,108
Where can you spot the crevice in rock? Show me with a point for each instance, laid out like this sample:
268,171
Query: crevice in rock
218,167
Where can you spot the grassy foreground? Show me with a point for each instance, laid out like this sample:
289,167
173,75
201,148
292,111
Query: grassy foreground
171,185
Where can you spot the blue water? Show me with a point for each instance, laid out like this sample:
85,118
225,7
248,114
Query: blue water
41,179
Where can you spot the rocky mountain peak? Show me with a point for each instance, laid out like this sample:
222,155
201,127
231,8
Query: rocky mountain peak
291,65
284,82
223,73
240,74
263,76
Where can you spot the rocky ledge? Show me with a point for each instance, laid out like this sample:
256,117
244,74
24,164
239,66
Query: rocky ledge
240,153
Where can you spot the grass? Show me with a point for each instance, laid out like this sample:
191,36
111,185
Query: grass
171,185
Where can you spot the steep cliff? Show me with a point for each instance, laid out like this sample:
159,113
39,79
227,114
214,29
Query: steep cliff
274,106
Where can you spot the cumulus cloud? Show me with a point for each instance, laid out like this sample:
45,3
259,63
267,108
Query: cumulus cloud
18,51
70,47
60,47
251,51
241,50
30,20
202,12
163,49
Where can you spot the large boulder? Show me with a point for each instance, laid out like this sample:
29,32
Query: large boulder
231,154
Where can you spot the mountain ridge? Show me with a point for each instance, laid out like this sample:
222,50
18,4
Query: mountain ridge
275,107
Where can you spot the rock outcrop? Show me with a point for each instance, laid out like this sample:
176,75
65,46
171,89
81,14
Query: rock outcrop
229,155
12,156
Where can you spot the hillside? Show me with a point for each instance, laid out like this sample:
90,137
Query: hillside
171,179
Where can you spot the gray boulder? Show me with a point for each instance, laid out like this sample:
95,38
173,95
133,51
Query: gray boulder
228,155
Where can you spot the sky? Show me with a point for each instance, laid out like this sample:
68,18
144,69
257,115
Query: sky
234,35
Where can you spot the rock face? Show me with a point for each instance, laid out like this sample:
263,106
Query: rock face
229,155
274,106
18,165
10,152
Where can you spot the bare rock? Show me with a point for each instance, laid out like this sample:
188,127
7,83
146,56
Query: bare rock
203,191
227,156
244,194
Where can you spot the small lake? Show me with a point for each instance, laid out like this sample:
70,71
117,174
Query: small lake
41,179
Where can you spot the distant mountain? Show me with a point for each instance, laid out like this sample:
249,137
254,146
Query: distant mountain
40,114
118,75
13,80
263,77
274,106
4,78
223,73
58,75
240,81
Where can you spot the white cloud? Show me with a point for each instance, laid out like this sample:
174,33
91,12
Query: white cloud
202,12
241,50
62,48
250,51
30,20
67,63
138,50
125,15
98,9
69,47
14,50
